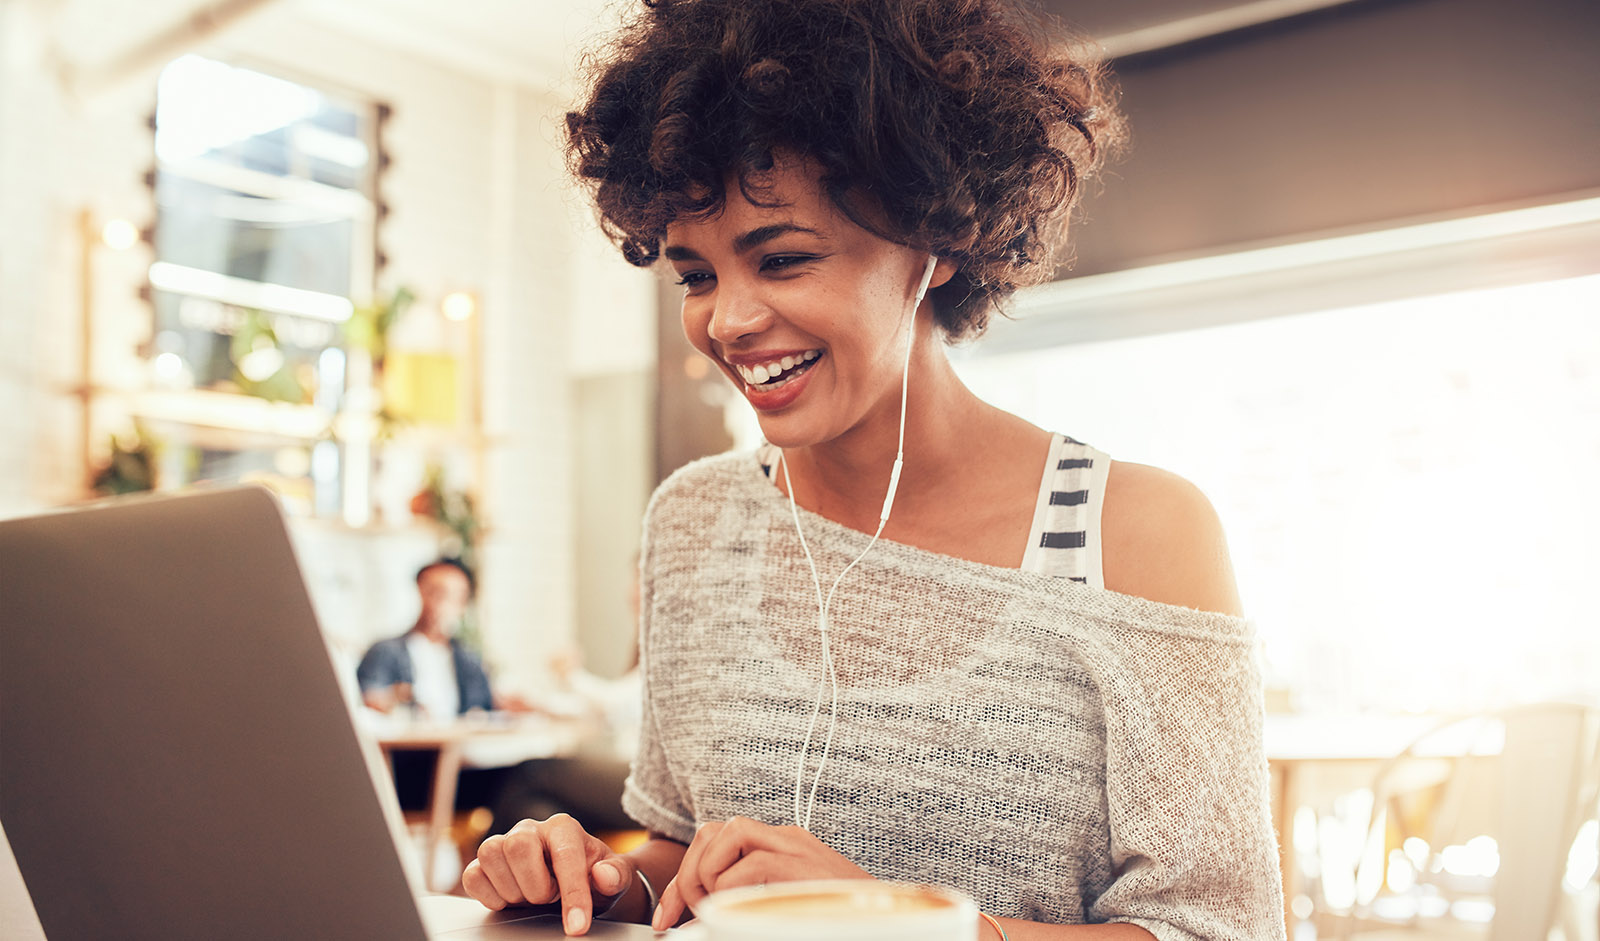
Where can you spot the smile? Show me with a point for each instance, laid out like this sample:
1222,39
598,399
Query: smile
779,372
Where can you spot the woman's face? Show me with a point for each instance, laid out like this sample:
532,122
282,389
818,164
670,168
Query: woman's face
803,310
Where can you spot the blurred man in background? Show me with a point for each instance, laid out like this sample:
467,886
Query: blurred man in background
428,671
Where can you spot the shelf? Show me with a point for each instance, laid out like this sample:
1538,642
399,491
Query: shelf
231,412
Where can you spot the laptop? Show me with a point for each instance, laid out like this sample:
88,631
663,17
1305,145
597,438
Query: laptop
177,759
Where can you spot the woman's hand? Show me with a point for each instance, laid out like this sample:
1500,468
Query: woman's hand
543,861
746,852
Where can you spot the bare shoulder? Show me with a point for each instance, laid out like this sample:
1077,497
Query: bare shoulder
1161,539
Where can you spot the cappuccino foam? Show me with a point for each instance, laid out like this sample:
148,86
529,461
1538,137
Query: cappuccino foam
845,905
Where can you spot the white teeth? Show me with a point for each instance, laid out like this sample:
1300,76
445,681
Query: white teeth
756,375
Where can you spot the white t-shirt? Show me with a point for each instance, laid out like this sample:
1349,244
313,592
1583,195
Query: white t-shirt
435,689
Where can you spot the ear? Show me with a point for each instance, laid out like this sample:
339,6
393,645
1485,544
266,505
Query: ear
942,273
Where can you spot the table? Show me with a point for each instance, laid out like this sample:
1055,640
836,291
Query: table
489,741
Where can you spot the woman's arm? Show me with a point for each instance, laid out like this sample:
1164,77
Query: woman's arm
1186,775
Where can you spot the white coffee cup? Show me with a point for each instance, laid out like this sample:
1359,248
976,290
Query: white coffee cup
837,910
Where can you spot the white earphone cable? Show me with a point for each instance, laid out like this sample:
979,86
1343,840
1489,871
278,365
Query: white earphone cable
824,605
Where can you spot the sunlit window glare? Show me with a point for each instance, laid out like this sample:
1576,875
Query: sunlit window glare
204,105
262,362
1416,850
458,306
1402,875
1402,484
119,234
1584,859
168,368
1479,856
248,294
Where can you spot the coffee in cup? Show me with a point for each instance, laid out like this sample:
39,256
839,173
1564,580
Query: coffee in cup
838,910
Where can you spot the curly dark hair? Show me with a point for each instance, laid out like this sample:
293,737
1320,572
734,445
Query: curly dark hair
965,128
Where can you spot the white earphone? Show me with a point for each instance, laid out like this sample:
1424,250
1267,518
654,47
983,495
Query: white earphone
824,604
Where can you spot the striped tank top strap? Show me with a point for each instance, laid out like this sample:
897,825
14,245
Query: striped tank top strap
767,455
1065,537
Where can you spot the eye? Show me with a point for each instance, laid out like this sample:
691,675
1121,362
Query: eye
694,281
781,263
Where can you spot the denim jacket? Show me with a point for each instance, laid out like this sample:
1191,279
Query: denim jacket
388,662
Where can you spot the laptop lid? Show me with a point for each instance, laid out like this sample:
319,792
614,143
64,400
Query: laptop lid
176,758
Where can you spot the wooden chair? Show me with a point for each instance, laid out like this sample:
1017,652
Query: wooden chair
1531,798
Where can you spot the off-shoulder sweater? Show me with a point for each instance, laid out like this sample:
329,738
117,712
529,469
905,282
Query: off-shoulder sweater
1061,753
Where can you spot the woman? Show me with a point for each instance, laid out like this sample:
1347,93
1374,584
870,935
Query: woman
1005,663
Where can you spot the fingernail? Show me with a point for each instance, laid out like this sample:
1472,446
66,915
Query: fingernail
607,877
656,919
575,920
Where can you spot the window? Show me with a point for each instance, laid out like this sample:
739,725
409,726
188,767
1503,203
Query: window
265,234
1407,487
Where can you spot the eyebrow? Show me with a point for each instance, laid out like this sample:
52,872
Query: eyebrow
744,242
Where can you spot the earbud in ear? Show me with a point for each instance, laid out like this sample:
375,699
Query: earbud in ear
927,278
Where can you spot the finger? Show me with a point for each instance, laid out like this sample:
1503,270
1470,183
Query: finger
478,886
611,875
669,908
496,870
569,861
739,838
758,868
524,853
690,888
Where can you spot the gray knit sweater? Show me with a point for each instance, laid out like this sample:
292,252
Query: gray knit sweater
1061,753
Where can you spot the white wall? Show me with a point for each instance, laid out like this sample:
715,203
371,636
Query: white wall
19,295
58,155
613,362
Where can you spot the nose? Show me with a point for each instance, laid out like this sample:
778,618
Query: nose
738,312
